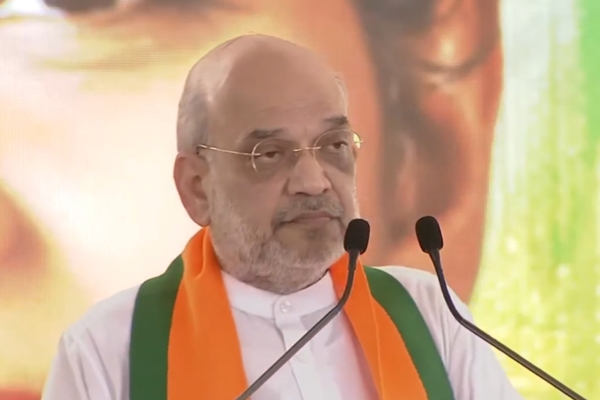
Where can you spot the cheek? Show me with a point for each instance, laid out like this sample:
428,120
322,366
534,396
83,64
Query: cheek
109,172
344,189
255,202
17,395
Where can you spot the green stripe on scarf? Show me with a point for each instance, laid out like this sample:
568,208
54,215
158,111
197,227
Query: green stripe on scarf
153,311
150,329
403,311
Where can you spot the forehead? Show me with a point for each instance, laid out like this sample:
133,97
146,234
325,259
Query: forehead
297,100
307,131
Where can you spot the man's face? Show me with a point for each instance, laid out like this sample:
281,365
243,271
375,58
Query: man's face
283,208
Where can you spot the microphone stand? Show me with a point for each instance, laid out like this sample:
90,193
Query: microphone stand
437,263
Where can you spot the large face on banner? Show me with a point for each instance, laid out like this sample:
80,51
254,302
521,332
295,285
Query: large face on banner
89,93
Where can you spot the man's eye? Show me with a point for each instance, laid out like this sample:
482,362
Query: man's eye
271,154
80,6
84,6
24,8
339,145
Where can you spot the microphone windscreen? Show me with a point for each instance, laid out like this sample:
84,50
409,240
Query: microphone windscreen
357,236
429,234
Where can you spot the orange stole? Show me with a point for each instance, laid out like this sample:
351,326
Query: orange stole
204,358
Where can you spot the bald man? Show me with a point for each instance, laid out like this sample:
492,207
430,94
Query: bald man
266,166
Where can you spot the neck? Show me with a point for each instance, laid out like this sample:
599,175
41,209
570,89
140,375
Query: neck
278,280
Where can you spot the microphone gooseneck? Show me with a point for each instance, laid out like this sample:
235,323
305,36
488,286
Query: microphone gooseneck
431,242
356,241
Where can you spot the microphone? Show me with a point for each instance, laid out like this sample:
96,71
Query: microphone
431,242
356,241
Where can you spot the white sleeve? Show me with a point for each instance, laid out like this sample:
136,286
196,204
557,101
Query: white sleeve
72,371
473,369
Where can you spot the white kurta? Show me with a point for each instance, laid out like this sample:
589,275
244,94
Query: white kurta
92,361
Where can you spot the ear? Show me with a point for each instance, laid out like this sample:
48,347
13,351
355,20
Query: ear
190,174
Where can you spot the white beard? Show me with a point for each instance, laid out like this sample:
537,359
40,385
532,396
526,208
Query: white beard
258,258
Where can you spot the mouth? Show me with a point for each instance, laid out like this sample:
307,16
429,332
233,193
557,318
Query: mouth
312,219
7,394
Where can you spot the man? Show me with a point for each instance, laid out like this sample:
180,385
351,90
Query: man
57,163
266,164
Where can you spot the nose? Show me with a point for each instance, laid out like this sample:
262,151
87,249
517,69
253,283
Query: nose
79,6
308,176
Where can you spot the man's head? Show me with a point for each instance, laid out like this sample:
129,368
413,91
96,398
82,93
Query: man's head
277,214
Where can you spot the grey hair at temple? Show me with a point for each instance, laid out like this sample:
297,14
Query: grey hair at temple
192,117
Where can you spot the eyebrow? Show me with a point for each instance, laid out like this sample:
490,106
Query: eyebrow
337,122
331,123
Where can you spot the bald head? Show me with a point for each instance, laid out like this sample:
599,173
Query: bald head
249,75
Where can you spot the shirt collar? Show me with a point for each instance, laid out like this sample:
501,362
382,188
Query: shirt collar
259,302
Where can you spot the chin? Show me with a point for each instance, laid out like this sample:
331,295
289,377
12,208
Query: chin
13,394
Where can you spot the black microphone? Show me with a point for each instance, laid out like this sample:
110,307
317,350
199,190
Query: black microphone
431,242
356,241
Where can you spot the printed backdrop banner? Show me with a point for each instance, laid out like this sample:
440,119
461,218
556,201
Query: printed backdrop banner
483,113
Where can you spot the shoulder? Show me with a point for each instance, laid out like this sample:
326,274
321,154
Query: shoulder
92,360
103,331
416,281
424,289
112,312
472,367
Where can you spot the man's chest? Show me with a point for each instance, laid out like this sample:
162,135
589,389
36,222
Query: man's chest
330,367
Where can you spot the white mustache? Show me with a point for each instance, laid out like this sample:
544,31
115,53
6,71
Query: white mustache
308,205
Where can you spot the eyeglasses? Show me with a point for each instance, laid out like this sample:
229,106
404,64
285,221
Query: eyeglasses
335,148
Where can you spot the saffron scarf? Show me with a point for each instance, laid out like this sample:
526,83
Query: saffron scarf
199,349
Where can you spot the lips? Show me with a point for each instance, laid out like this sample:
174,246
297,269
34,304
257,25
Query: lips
13,394
312,216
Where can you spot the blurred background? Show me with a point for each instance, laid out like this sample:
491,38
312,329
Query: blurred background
484,113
